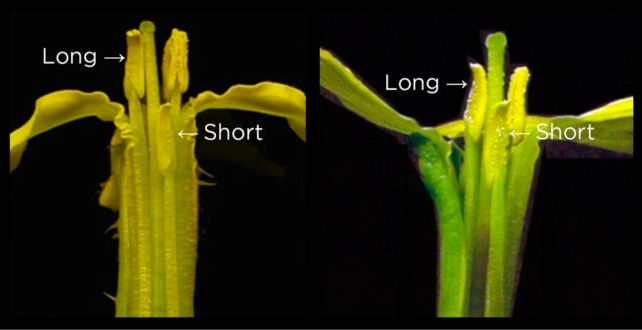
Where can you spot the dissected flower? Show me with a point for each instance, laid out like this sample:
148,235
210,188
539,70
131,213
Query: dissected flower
154,172
481,189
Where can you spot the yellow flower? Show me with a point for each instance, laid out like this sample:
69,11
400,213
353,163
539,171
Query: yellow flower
154,175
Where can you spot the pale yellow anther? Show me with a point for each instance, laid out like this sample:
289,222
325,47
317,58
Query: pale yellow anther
516,116
175,73
475,112
135,65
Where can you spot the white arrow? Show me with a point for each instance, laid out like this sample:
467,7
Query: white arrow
181,134
513,133
120,57
463,84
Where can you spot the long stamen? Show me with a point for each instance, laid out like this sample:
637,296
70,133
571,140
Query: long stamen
135,277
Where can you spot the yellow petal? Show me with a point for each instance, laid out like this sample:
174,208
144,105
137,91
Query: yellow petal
109,196
452,130
267,98
615,110
345,88
56,109
612,126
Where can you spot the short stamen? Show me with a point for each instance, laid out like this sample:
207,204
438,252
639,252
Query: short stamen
517,98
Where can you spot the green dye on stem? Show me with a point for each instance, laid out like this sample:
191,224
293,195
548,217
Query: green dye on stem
452,248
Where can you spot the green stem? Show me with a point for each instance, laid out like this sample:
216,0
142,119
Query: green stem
495,305
471,183
437,179
480,243
521,170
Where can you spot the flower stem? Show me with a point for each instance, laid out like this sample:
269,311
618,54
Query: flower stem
453,282
521,175
495,304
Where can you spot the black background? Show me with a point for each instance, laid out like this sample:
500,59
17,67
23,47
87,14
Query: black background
252,227
378,245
